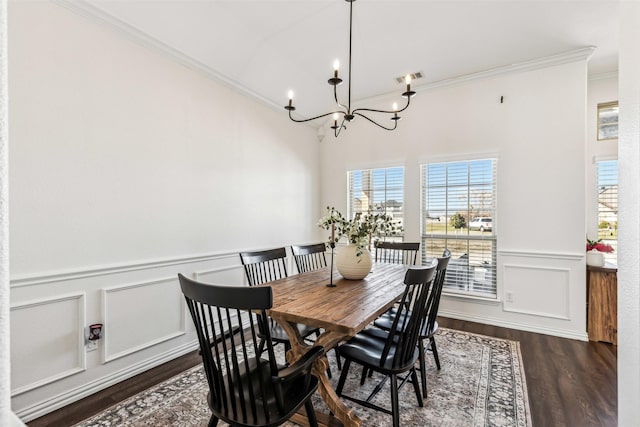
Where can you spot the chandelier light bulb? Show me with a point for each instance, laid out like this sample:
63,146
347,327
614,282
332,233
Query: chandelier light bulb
290,94
395,106
336,65
407,79
335,116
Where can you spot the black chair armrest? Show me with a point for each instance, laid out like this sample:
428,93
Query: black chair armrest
301,366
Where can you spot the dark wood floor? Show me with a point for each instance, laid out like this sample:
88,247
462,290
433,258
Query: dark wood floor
570,383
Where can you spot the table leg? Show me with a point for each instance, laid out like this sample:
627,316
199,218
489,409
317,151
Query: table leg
328,339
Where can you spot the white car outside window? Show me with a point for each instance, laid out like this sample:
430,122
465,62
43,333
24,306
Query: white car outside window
482,224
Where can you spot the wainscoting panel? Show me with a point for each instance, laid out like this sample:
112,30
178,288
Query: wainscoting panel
537,290
47,341
140,315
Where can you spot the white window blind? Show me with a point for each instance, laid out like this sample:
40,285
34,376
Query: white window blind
458,213
608,206
380,190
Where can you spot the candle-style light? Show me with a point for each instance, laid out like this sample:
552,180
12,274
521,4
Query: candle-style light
394,107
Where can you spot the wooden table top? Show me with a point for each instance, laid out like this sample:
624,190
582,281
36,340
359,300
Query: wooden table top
347,308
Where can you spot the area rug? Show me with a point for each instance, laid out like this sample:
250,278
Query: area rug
481,383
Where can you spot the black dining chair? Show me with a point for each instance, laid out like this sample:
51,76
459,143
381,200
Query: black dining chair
397,252
245,389
430,323
266,266
395,351
309,257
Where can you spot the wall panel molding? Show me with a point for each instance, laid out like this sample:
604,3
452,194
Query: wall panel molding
570,256
80,300
197,275
145,322
86,272
63,399
562,288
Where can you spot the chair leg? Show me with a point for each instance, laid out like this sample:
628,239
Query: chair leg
311,413
423,367
395,407
363,376
416,387
338,359
432,340
261,346
213,422
343,377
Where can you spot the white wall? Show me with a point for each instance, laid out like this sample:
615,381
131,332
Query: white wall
127,168
629,237
538,136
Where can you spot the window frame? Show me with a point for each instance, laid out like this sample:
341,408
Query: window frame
350,197
600,121
601,214
471,271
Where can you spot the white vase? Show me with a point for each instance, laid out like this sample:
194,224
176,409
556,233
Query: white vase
595,258
351,266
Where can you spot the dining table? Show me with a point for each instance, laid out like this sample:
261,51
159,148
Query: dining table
341,311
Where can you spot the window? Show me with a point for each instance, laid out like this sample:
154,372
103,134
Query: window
459,213
608,206
378,190
608,121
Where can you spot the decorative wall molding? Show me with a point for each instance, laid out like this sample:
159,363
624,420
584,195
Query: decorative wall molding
565,272
82,273
198,274
80,298
603,76
582,54
521,326
570,256
87,10
63,399
106,310
97,15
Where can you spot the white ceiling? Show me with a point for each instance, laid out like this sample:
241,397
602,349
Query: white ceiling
266,47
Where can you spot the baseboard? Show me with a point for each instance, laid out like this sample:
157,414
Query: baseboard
562,333
56,402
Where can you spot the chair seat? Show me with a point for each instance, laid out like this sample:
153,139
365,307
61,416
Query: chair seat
385,322
279,335
256,379
366,348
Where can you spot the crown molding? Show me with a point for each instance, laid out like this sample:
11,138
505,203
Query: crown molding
86,10
604,76
582,54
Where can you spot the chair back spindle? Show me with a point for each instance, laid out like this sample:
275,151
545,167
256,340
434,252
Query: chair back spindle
264,266
397,252
309,257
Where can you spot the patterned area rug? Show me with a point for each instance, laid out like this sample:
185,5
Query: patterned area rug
481,383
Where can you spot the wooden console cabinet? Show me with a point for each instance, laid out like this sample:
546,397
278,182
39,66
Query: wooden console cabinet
602,304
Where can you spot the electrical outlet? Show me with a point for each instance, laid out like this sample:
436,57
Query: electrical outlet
91,346
509,296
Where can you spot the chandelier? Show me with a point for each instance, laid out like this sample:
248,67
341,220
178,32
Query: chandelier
344,113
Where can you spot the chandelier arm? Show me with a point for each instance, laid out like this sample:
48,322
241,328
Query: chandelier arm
314,118
335,96
337,131
395,124
384,111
